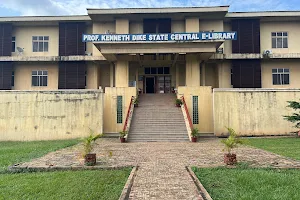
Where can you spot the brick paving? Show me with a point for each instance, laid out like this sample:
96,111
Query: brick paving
162,173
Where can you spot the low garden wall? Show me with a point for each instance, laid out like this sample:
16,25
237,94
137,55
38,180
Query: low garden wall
253,112
50,115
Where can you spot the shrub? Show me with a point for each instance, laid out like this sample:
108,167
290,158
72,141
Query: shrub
88,142
195,132
295,117
232,141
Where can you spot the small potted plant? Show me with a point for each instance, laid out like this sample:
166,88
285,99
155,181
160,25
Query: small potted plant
194,134
122,136
178,102
136,102
230,143
88,144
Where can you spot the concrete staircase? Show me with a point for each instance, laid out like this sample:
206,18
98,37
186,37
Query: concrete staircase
156,119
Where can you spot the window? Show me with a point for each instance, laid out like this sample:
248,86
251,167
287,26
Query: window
119,109
40,43
281,76
13,79
195,110
39,78
157,70
279,40
13,43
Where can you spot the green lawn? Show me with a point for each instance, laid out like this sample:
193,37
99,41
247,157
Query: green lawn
97,184
252,184
289,147
16,152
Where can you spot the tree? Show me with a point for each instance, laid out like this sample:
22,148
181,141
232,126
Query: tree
295,117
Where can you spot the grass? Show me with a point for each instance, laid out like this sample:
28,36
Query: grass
252,184
289,147
16,152
95,184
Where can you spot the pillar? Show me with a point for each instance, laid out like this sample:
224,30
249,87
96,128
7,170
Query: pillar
92,76
177,75
121,73
192,70
111,75
203,74
224,75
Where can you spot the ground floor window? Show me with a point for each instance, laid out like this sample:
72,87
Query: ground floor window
195,110
39,78
119,109
281,76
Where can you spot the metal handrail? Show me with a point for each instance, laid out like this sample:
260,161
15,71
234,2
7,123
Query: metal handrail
187,112
128,114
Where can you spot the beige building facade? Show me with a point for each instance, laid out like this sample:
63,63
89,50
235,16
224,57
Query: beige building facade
164,53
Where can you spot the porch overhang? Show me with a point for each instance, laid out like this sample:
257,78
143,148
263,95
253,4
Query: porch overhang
108,49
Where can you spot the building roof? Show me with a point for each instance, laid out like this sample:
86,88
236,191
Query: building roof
93,11
263,14
45,18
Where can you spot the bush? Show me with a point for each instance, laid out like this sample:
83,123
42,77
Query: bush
232,141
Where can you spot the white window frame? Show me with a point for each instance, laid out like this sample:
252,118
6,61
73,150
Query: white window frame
39,74
40,41
13,41
281,72
279,37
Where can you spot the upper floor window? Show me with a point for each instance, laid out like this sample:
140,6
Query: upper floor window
157,25
39,78
40,43
281,76
13,43
279,40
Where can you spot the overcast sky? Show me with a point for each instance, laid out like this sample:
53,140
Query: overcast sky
73,7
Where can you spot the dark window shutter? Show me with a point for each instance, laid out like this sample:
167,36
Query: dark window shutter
248,31
246,73
149,25
5,75
164,25
70,39
5,39
72,75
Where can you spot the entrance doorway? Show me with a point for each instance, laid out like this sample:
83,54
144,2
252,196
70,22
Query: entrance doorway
150,85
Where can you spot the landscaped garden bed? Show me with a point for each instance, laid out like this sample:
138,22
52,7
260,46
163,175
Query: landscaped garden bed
82,184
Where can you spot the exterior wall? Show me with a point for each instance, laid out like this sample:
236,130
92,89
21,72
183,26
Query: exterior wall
23,75
24,35
293,30
192,25
205,99
110,109
224,74
101,28
135,27
122,73
30,115
253,112
211,75
267,79
122,26
211,25
104,76
178,26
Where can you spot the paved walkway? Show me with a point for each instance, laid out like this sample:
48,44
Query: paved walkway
162,173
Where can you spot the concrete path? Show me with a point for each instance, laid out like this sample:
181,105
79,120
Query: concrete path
162,173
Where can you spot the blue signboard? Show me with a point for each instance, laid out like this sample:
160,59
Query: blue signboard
103,38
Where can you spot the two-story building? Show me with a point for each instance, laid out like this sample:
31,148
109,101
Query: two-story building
155,50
